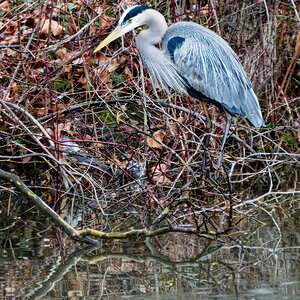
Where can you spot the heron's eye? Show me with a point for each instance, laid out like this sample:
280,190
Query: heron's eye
130,20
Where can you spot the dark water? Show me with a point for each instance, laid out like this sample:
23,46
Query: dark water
260,259
261,263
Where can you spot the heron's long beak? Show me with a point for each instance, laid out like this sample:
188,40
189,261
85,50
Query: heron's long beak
113,36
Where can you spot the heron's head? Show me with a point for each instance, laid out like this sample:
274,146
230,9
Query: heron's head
133,17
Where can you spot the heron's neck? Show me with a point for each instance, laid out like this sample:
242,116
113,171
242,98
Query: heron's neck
161,68
148,38
157,26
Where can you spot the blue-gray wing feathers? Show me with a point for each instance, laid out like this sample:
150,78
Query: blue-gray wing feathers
209,66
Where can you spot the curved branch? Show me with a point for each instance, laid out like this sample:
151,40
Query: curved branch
83,234
162,103
144,233
40,204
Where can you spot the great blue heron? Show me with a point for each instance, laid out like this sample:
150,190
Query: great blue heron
194,61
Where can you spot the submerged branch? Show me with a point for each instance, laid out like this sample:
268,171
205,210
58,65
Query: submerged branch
40,204
143,233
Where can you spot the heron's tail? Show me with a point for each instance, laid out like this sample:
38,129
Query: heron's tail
252,110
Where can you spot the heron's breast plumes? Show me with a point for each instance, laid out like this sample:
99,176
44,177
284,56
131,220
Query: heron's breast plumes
162,70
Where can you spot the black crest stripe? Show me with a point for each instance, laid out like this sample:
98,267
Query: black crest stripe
135,11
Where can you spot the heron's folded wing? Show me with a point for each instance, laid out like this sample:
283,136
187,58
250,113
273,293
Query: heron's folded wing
210,66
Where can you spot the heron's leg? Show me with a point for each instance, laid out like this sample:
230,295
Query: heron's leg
207,137
228,123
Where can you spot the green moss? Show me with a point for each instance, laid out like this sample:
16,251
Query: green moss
61,83
52,55
117,78
289,140
105,117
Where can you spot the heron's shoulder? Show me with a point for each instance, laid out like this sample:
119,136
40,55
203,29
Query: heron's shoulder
189,29
182,36
192,39
194,33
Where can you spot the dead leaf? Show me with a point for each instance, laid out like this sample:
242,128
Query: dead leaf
106,21
118,119
4,6
71,25
114,64
159,136
60,117
127,73
82,80
126,128
40,111
15,86
54,27
124,59
78,61
47,174
26,159
68,69
175,126
157,173
205,11
99,10
106,63
45,28
58,107
102,60
68,127
64,55
105,76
